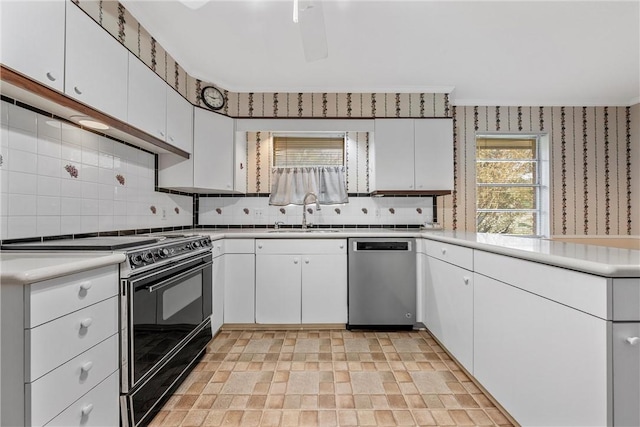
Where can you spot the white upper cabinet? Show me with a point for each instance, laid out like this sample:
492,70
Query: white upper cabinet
433,154
213,151
212,167
179,121
96,65
394,153
156,108
413,155
147,97
33,40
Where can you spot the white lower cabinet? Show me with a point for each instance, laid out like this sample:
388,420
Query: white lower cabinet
449,308
546,363
301,281
239,281
60,350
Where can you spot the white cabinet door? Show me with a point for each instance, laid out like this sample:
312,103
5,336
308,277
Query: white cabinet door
217,317
213,149
434,154
324,288
179,121
449,308
96,65
278,292
546,363
626,373
239,288
147,97
33,40
394,153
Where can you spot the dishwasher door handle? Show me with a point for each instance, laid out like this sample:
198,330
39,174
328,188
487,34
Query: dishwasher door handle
406,248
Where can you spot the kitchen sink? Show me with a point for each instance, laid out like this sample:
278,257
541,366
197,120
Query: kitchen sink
308,230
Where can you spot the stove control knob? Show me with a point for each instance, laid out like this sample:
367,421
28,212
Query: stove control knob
148,257
196,244
136,259
206,243
163,253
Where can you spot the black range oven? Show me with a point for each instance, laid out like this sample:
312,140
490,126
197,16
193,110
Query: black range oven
166,304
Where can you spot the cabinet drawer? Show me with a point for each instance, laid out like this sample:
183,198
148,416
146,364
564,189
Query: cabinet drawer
61,387
301,246
582,291
54,298
99,407
626,299
454,254
239,246
56,342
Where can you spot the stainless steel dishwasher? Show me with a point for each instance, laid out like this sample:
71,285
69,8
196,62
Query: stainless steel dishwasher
382,283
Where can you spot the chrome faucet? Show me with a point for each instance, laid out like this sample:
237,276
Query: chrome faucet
304,208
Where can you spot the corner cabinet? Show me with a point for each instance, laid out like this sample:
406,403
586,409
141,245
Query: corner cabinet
96,65
301,281
60,357
33,40
217,163
413,155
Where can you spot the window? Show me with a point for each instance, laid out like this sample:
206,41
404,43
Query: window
509,191
303,150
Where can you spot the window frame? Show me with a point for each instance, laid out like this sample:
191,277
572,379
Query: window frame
541,186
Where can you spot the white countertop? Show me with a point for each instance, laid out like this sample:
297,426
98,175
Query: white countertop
28,267
600,260
21,268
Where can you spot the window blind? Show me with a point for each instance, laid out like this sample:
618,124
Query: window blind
291,151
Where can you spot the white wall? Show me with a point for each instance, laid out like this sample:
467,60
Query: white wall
39,197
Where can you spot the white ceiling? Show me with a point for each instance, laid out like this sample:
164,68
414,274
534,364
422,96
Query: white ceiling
548,53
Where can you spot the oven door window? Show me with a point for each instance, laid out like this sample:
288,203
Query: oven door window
166,309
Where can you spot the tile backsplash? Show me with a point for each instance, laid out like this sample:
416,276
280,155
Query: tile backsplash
58,179
387,211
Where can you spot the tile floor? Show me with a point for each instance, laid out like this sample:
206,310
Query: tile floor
327,378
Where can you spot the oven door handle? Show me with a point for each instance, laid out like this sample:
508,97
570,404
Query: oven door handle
169,281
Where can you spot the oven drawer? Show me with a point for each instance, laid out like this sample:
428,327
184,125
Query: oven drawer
54,298
52,344
99,407
59,388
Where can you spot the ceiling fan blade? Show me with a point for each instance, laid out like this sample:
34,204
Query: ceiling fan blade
312,30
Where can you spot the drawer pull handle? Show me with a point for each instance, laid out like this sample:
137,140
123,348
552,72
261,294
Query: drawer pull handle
466,280
85,286
51,76
341,245
633,340
86,367
444,251
295,260
161,133
260,246
86,322
86,410
77,90
306,261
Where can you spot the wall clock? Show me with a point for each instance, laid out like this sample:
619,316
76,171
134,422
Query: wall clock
212,97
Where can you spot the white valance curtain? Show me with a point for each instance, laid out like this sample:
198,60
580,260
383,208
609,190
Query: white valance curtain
289,185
